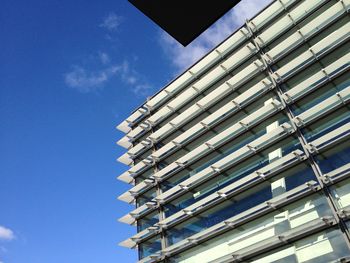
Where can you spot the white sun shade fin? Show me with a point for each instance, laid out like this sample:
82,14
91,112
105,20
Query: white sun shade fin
329,42
337,174
138,168
321,109
202,84
223,137
134,240
243,217
231,43
269,13
218,140
125,159
133,119
237,187
126,197
135,133
129,196
316,80
286,21
128,243
307,31
164,151
126,177
127,219
125,142
341,133
124,127
231,159
325,45
131,217
199,68
152,258
140,147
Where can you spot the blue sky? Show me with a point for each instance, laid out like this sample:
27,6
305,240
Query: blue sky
70,72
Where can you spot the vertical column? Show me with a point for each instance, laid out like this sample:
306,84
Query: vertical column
279,184
301,138
159,192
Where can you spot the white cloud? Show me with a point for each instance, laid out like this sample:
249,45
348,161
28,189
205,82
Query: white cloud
6,233
134,80
111,22
85,81
183,57
104,57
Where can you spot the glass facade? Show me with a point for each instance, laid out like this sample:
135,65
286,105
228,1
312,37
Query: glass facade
249,160
326,246
276,223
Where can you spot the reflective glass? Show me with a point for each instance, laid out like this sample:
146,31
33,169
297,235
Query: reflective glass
334,157
149,247
144,175
327,124
325,91
216,215
231,175
169,183
250,198
147,221
146,197
276,223
341,194
222,152
324,247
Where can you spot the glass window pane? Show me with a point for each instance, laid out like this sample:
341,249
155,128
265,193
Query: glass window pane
276,223
248,199
249,109
341,194
146,197
327,124
233,174
149,247
334,157
146,174
147,221
323,247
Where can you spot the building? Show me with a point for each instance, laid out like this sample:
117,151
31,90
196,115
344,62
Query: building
245,156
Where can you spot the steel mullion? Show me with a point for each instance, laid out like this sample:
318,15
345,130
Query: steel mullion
301,138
